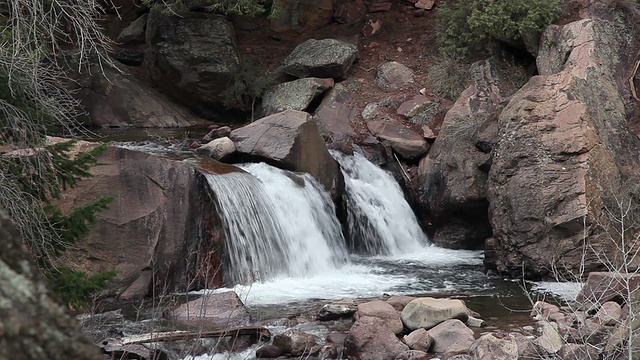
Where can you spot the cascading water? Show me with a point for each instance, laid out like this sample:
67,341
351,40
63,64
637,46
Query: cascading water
277,224
379,217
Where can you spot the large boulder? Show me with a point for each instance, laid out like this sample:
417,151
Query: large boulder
34,325
327,58
160,232
451,338
114,99
294,95
428,312
191,57
222,310
290,140
370,338
381,310
453,176
564,147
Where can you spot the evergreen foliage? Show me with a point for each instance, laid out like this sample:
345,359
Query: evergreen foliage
75,288
467,25
239,7
33,100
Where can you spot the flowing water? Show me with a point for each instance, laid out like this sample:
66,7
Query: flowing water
286,245
277,224
379,218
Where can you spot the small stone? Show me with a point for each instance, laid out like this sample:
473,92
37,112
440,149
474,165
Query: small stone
336,311
475,322
425,4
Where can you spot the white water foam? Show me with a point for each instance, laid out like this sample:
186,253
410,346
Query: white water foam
432,269
380,219
277,224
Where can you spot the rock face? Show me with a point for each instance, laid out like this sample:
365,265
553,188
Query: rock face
453,176
159,226
326,58
291,140
118,100
191,57
220,310
564,146
34,326
426,313
294,95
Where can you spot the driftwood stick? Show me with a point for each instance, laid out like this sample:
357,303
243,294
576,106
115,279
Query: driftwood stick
257,331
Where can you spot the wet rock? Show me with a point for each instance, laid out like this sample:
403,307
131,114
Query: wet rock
269,352
493,346
451,337
290,139
218,149
413,355
369,338
428,312
192,57
328,58
294,342
337,338
400,301
294,95
418,340
134,33
336,311
609,314
113,99
381,310
212,310
393,76
150,227
222,131
555,164
452,179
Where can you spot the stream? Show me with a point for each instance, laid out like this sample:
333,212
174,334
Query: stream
289,254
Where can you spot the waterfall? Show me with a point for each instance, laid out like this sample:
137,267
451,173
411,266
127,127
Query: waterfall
380,220
277,224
